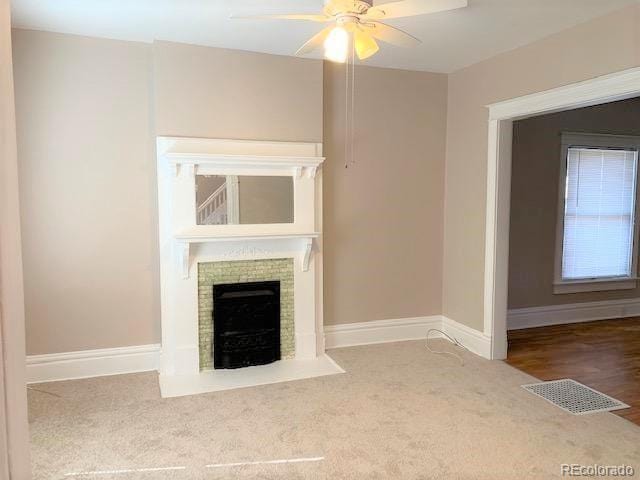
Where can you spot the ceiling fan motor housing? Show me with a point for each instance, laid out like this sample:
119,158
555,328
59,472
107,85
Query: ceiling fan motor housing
339,7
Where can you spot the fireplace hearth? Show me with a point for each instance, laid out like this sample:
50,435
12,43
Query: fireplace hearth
246,324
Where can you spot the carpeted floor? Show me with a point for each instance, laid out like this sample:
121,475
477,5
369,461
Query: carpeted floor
399,412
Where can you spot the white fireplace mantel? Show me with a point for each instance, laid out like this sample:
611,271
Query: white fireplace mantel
185,239
184,244
238,163
241,156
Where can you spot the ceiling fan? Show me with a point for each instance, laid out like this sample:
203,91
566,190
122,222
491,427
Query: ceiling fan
361,20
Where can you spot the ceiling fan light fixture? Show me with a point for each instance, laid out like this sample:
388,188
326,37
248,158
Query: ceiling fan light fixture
365,45
336,45
362,19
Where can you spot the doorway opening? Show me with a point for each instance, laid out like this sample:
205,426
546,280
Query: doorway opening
609,88
573,294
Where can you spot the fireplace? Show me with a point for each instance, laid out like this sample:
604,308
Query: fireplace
207,337
246,324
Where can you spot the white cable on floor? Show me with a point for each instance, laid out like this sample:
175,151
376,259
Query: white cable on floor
43,391
444,352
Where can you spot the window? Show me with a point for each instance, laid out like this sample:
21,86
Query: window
597,239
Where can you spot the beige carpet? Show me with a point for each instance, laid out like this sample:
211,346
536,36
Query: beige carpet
398,412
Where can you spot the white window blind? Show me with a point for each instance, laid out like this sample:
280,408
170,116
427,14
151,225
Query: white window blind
599,213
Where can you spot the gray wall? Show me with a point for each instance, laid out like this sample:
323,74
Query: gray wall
534,198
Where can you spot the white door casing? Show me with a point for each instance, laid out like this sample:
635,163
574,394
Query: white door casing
604,89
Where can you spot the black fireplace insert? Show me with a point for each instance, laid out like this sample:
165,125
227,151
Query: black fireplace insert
246,324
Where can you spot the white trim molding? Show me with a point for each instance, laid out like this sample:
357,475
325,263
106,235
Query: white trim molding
217,156
92,363
602,284
599,90
379,331
402,329
144,358
616,86
473,340
206,234
531,317
496,272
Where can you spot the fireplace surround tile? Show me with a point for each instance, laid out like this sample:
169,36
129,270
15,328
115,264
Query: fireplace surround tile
242,271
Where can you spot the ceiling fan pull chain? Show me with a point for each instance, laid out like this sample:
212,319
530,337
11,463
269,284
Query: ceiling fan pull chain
346,114
353,100
349,108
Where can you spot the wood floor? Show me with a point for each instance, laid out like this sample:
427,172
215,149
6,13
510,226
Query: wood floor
604,355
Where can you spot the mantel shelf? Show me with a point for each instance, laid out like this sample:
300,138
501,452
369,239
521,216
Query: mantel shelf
201,237
186,238
203,158
297,165
217,155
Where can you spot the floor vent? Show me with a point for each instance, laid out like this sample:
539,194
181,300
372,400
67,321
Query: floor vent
574,397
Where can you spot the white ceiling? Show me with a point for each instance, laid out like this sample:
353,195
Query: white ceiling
451,40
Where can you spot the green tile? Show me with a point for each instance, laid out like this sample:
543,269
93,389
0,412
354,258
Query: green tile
215,273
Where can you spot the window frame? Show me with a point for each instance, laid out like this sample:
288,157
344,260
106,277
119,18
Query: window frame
596,284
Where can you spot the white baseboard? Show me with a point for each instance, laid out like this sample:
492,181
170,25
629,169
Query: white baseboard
532,317
379,331
473,340
384,331
92,363
143,358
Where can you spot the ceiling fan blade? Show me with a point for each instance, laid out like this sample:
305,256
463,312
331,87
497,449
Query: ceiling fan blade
390,34
315,41
289,16
409,8
364,44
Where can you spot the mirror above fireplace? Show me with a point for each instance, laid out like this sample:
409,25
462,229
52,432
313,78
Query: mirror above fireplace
244,199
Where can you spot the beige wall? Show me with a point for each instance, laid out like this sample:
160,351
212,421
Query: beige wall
217,93
87,192
221,93
383,215
87,117
88,110
536,162
14,432
604,45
